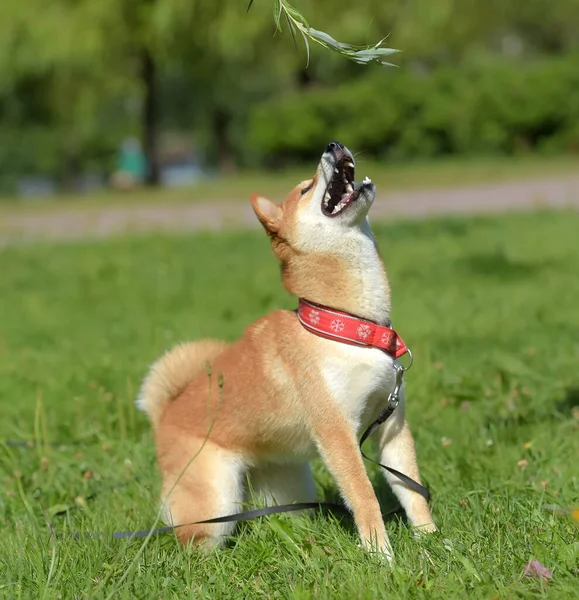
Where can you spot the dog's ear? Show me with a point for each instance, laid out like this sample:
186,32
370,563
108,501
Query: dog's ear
269,213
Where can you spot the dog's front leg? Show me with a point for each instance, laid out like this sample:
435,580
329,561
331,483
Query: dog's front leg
338,448
397,451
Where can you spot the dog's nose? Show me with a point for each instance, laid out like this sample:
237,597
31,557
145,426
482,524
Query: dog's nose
333,146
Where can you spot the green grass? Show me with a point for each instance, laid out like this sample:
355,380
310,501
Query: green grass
389,176
489,308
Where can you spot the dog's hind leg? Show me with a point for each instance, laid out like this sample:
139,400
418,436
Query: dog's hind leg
201,481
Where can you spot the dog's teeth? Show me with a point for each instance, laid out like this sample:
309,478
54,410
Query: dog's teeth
327,198
351,164
349,188
366,180
336,170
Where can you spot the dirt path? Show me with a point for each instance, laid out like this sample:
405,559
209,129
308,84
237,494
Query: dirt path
90,222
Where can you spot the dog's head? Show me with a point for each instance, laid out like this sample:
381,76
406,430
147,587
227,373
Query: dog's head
323,239
318,211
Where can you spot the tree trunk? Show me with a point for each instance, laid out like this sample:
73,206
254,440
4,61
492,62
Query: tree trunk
71,166
225,154
150,118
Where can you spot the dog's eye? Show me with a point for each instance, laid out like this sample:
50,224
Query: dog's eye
306,189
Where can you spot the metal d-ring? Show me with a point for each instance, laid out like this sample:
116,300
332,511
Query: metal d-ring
410,361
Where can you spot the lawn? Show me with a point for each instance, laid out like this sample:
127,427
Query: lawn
489,307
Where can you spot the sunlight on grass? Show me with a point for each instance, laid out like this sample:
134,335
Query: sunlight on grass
489,308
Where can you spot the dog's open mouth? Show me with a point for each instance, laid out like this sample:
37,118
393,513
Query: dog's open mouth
342,189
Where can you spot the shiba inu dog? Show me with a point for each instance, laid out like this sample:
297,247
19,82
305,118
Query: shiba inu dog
262,407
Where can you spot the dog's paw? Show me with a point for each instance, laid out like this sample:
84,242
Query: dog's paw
381,550
421,530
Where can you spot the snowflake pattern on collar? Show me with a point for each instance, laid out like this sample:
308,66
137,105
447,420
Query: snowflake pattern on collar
349,329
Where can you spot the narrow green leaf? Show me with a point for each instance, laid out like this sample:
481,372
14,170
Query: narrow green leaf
468,565
249,6
326,38
307,44
277,12
376,53
295,15
292,29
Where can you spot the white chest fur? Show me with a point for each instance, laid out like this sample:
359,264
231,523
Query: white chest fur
359,379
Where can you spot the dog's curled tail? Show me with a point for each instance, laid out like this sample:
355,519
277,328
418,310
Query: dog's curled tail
171,374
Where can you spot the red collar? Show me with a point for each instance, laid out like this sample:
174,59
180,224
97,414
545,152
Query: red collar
349,329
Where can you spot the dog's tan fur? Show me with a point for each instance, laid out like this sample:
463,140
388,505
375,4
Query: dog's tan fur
280,395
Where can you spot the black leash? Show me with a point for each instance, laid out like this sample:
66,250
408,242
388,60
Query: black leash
409,482
283,508
244,516
393,400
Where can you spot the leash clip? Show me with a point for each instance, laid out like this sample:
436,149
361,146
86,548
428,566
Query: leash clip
394,396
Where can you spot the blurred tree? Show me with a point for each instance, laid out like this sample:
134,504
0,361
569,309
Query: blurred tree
98,70
224,68
543,26
88,52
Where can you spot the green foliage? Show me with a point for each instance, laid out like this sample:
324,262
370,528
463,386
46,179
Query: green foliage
489,308
298,24
490,107
214,64
43,151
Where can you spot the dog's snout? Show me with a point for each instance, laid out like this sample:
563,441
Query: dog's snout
334,146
